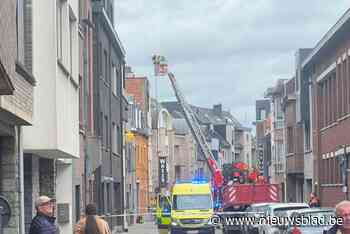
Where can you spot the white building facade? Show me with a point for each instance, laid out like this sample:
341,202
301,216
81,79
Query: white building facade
52,142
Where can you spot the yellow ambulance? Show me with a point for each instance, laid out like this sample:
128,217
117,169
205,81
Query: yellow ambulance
192,207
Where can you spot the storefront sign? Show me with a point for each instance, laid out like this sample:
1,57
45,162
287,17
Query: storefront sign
163,172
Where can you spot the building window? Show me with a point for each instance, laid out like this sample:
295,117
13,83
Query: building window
106,66
307,138
103,201
82,9
290,140
345,87
117,194
108,204
177,172
77,203
129,154
114,80
81,102
72,38
328,101
261,114
113,138
122,77
106,131
59,26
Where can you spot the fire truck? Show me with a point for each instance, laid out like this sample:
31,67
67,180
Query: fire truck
236,191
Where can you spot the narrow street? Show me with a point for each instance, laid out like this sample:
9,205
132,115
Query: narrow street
150,228
198,116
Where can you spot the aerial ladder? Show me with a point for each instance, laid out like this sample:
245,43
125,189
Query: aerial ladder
197,133
228,195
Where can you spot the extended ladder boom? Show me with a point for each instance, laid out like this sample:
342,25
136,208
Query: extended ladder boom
195,128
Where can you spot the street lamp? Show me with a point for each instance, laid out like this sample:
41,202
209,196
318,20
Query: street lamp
129,136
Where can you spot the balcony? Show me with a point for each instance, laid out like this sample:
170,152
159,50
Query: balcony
295,164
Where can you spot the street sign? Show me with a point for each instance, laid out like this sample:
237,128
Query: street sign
163,172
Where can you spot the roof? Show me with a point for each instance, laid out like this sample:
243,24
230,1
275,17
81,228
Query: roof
207,115
211,133
327,37
174,109
180,126
204,115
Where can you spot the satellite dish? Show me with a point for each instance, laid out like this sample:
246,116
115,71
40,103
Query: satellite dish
5,211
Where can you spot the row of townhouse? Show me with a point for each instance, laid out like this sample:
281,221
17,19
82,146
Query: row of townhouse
137,146
63,109
303,123
228,139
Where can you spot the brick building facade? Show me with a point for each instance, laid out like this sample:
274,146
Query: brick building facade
327,69
16,107
137,88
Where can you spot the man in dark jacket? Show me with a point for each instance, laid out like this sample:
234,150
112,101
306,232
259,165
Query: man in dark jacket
44,221
342,211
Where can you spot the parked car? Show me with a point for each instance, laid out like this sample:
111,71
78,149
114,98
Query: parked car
324,214
256,210
275,209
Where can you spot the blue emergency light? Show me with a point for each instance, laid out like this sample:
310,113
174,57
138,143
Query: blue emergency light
199,180
195,180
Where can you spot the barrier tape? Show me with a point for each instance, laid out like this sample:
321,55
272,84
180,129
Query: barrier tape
182,213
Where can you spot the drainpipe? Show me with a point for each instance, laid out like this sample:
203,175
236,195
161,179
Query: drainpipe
346,173
21,178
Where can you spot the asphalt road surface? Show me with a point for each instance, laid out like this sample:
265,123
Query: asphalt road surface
150,228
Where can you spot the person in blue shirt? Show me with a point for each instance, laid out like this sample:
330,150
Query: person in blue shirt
44,222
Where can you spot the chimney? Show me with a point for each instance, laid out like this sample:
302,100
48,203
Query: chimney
217,109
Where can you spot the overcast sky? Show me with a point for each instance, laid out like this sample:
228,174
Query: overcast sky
222,51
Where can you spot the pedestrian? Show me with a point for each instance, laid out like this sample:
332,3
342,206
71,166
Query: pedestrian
314,200
44,221
342,210
91,223
296,230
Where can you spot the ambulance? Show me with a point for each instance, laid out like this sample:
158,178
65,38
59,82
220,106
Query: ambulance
192,207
